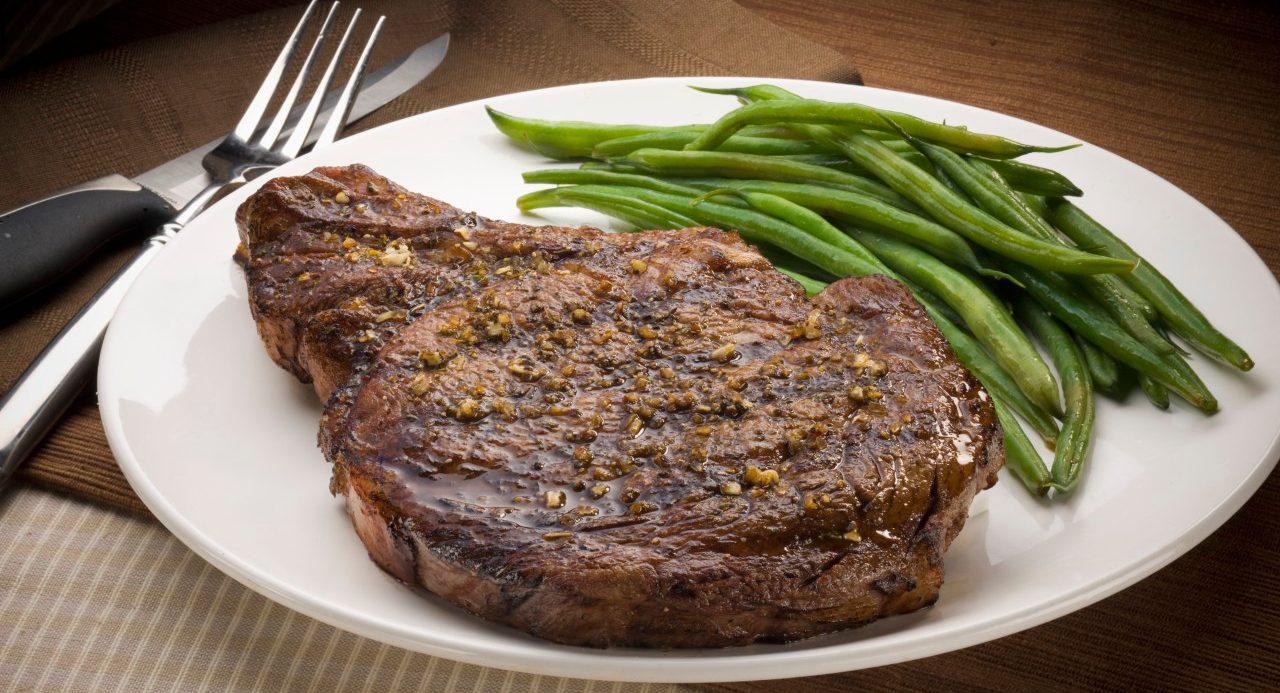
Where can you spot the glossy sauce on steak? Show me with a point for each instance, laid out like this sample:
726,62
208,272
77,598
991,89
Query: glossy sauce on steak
648,439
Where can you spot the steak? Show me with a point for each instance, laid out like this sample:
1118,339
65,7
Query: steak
649,439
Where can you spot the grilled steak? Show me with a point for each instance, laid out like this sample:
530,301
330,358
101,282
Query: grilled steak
648,439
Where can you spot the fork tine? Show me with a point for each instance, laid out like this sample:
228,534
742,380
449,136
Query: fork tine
305,122
273,130
338,118
249,121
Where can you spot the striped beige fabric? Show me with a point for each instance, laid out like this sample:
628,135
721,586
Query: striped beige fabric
92,599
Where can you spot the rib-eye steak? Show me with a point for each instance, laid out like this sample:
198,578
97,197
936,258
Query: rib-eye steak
647,439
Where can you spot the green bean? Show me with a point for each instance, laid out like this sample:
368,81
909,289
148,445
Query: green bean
995,379
636,212
970,222
902,149
811,286
644,218
753,226
862,117
731,165
985,185
677,139
867,212
580,176
771,131
1125,315
897,145
784,260
802,218
1020,455
1039,206
832,161
1088,319
806,220
703,182
638,218
1035,203
946,180
1002,201
829,233
571,139
768,204
1125,293
1109,377
950,209
1077,389
925,297
748,96
1027,178
777,141
909,155
971,181
565,139
986,319
1156,393
1178,364
1126,381
1103,370
1175,309
615,166
888,130
556,197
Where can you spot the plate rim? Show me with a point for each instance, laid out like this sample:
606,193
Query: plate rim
677,666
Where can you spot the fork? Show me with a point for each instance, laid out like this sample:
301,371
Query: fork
50,384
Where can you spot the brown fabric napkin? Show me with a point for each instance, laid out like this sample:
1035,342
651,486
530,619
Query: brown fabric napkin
136,106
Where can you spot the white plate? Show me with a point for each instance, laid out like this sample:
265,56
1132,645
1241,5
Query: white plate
220,443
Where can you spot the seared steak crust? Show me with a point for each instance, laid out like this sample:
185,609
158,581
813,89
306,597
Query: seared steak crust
330,281
648,439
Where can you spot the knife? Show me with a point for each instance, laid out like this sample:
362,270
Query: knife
46,239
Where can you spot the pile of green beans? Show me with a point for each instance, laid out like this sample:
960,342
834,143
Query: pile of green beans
988,244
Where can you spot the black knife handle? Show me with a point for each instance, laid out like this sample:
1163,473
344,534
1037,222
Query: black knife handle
44,240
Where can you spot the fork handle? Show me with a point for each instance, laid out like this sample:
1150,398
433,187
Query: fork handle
44,240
